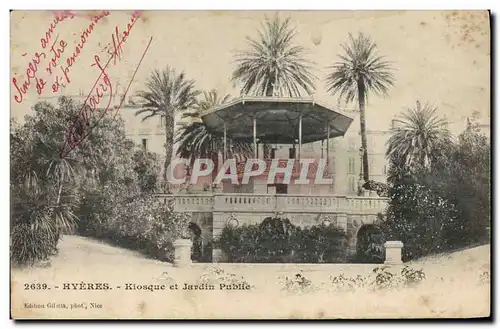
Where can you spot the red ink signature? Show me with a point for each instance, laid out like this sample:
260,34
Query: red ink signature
82,127
119,40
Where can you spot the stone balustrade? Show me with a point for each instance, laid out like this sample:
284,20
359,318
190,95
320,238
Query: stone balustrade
288,203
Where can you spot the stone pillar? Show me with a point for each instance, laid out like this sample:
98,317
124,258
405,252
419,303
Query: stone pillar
182,252
342,221
218,225
393,252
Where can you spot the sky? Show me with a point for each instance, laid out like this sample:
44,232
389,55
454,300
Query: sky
440,57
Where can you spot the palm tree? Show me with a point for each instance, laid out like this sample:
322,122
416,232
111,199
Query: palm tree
196,141
417,137
273,65
168,92
359,72
210,100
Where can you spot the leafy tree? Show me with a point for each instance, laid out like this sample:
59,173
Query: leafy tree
274,65
360,72
463,177
448,206
50,194
42,197
146,167
168,92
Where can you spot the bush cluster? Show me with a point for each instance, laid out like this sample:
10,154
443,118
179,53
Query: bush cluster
101,189
144,224
381,278
276,240
216,275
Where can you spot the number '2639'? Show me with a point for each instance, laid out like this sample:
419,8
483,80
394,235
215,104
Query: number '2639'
36,286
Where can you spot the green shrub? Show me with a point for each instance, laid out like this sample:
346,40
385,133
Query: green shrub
417,216
239,244
381,278
276,240
343,283
216,276
147,225
37,224
31,244
382,189
370,245
320,244
411,276
484,278
298,284
147,167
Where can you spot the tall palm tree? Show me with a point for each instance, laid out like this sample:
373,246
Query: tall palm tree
359,72
168,92
417,137
196,141
273,65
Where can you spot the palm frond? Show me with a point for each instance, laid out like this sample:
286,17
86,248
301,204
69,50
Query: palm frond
417,137
197,141
167,92
273,65
360,65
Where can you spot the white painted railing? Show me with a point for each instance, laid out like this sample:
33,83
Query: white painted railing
249,202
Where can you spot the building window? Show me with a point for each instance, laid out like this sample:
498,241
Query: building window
352,143
352,184
374,144
145,144
385,170
352,165
161,124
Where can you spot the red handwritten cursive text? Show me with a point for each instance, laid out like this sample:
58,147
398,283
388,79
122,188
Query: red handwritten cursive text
70,61
44,41
53,54
102,87
30,74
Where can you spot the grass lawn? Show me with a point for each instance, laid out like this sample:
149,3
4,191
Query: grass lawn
452,288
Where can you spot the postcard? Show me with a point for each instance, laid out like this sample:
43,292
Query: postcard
250,164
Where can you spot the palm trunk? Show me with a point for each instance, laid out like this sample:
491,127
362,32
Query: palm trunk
269,92
362,123
57,234
169,135
61,180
